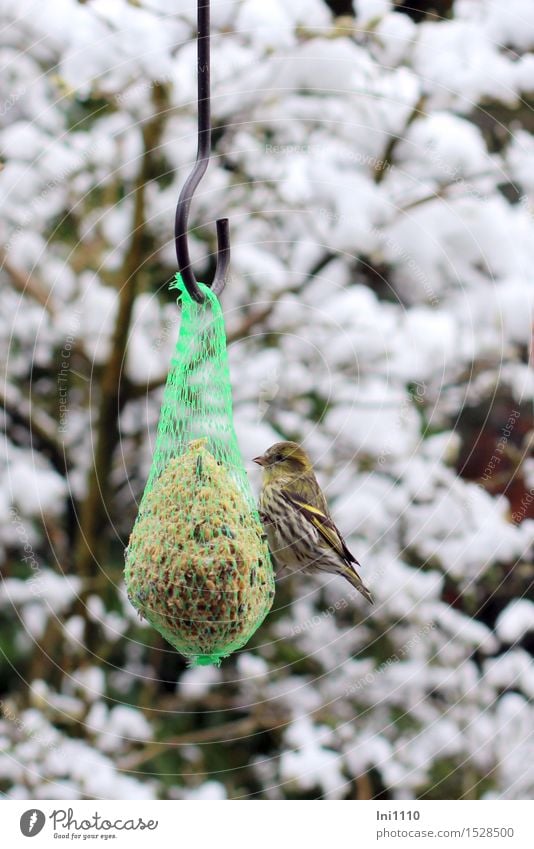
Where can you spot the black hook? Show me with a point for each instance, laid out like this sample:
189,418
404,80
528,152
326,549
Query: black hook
202,160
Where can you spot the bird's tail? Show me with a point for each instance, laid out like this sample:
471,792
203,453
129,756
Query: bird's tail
350,573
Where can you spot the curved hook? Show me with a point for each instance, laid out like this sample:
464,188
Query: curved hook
201,164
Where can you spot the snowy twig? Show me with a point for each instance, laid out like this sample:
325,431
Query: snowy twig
443,188
384,164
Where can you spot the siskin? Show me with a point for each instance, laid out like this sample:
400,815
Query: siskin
301,533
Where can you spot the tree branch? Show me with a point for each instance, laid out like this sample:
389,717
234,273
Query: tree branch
443,188
383,166
38,425
132,391
26,284
96,507
227,732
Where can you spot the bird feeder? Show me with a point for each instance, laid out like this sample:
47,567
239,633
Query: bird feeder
198,568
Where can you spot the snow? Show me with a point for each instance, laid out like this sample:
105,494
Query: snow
445,147
389,428
514,746
91,682
118,726
56,590
510,670
267,25
22,140
36,491
94,773
74,631
379,183
98,305
510,26
198,681
514,308
252,667
367,11
209,791
65,707
311,764
516,620
460,65
396,35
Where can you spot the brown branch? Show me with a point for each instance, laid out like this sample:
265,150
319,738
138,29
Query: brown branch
133,391
30,285
383,166
227,732
443,188
364,788
26,284
251,321
95,511
38,425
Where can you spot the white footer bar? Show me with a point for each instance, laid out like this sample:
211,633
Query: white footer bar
269,825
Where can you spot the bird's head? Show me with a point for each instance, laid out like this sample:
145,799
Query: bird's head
284,459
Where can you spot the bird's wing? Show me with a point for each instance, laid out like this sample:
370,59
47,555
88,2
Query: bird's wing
323,523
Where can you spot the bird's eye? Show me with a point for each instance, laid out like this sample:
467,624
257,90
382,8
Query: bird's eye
278,458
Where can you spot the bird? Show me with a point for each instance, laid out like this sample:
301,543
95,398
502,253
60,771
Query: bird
300,531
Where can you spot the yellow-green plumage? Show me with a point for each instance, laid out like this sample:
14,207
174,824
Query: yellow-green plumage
301,532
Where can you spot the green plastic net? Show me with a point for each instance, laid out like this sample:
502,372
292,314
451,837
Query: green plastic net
197,564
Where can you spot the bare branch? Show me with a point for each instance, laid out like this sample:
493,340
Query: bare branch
38,424
26,284
95,510
227,732
386,162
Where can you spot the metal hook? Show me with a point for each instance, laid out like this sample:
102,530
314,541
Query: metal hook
201,164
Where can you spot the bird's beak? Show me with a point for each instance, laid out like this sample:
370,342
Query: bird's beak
261,461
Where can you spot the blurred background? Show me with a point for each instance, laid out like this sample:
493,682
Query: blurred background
376,161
